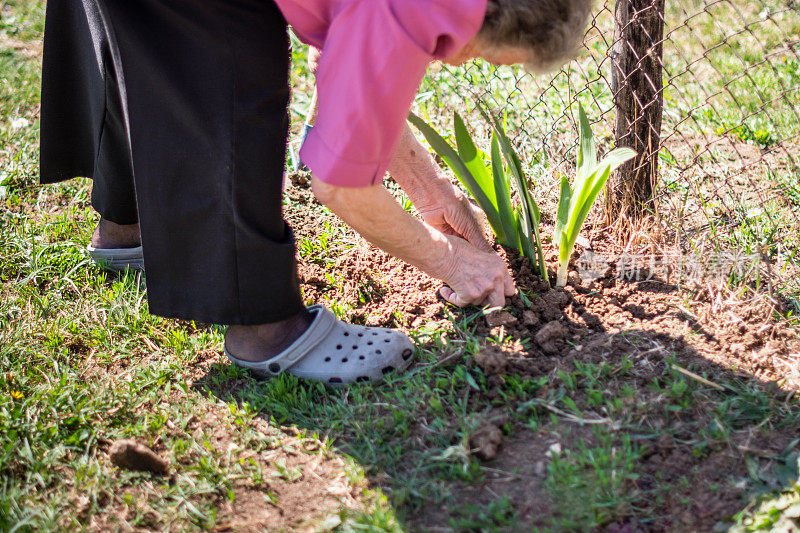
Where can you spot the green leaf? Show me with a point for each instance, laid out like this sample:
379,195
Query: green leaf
526,240
564,251
592,186
535,214
576,201
535,218
504,209
582,209
562,215
530,211
472,159
514,163
453,160
617,157
587,152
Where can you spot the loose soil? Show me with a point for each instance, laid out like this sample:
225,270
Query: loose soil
651,323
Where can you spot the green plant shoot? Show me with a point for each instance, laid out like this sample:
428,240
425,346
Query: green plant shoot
516,226
576,200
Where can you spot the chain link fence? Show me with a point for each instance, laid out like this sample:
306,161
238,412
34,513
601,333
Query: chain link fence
707,92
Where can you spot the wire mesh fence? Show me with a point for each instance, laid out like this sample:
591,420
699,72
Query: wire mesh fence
707,94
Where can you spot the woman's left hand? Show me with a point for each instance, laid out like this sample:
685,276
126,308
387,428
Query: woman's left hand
441,204
448,210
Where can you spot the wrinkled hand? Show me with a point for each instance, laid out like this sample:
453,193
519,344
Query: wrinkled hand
475,276
448,210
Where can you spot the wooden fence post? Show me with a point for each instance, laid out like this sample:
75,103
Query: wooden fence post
637,62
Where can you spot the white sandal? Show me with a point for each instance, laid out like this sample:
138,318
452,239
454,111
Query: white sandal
117,259
338,353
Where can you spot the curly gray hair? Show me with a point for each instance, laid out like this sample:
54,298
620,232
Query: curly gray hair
552,30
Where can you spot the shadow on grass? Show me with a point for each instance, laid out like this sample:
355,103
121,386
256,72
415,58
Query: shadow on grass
615,435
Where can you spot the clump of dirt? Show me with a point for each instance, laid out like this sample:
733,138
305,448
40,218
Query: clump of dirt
492,360
486,441
131,455
500,317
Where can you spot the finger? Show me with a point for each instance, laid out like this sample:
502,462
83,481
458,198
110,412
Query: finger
496,298
450,296
509,285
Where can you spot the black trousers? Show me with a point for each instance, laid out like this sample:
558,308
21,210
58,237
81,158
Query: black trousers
178,111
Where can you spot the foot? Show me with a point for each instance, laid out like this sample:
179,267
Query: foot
107,234
327,350
264,341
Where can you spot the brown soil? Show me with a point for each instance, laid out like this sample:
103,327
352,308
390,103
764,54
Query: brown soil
314,488
652,324
381,290
648,322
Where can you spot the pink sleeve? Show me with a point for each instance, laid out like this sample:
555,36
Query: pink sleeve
375,56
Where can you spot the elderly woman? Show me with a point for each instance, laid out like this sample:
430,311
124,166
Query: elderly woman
177,110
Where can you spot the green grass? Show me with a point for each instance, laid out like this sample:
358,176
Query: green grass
82,363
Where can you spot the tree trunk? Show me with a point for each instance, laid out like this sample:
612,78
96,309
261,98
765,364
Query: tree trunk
637,60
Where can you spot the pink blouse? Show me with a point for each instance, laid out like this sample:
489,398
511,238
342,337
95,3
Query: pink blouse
375,53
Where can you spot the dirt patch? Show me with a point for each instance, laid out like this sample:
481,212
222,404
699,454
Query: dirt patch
642,330
293,481
379,289
376,288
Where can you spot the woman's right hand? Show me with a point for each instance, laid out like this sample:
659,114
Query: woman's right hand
474,276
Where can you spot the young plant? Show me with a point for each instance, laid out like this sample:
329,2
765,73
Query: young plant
576,200
516,226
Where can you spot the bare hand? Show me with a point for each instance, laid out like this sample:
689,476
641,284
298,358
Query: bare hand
475,277
447,209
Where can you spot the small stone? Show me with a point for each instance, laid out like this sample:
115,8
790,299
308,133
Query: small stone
492,360
553,450
529,318
131,455
486,441
550,334
500,317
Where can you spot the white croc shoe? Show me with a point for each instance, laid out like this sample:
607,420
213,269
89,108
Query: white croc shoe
338,353
117,259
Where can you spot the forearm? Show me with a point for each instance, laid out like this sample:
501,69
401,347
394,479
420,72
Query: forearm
413,168
375,214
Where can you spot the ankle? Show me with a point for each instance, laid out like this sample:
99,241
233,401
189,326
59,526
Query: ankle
108,234
263,341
